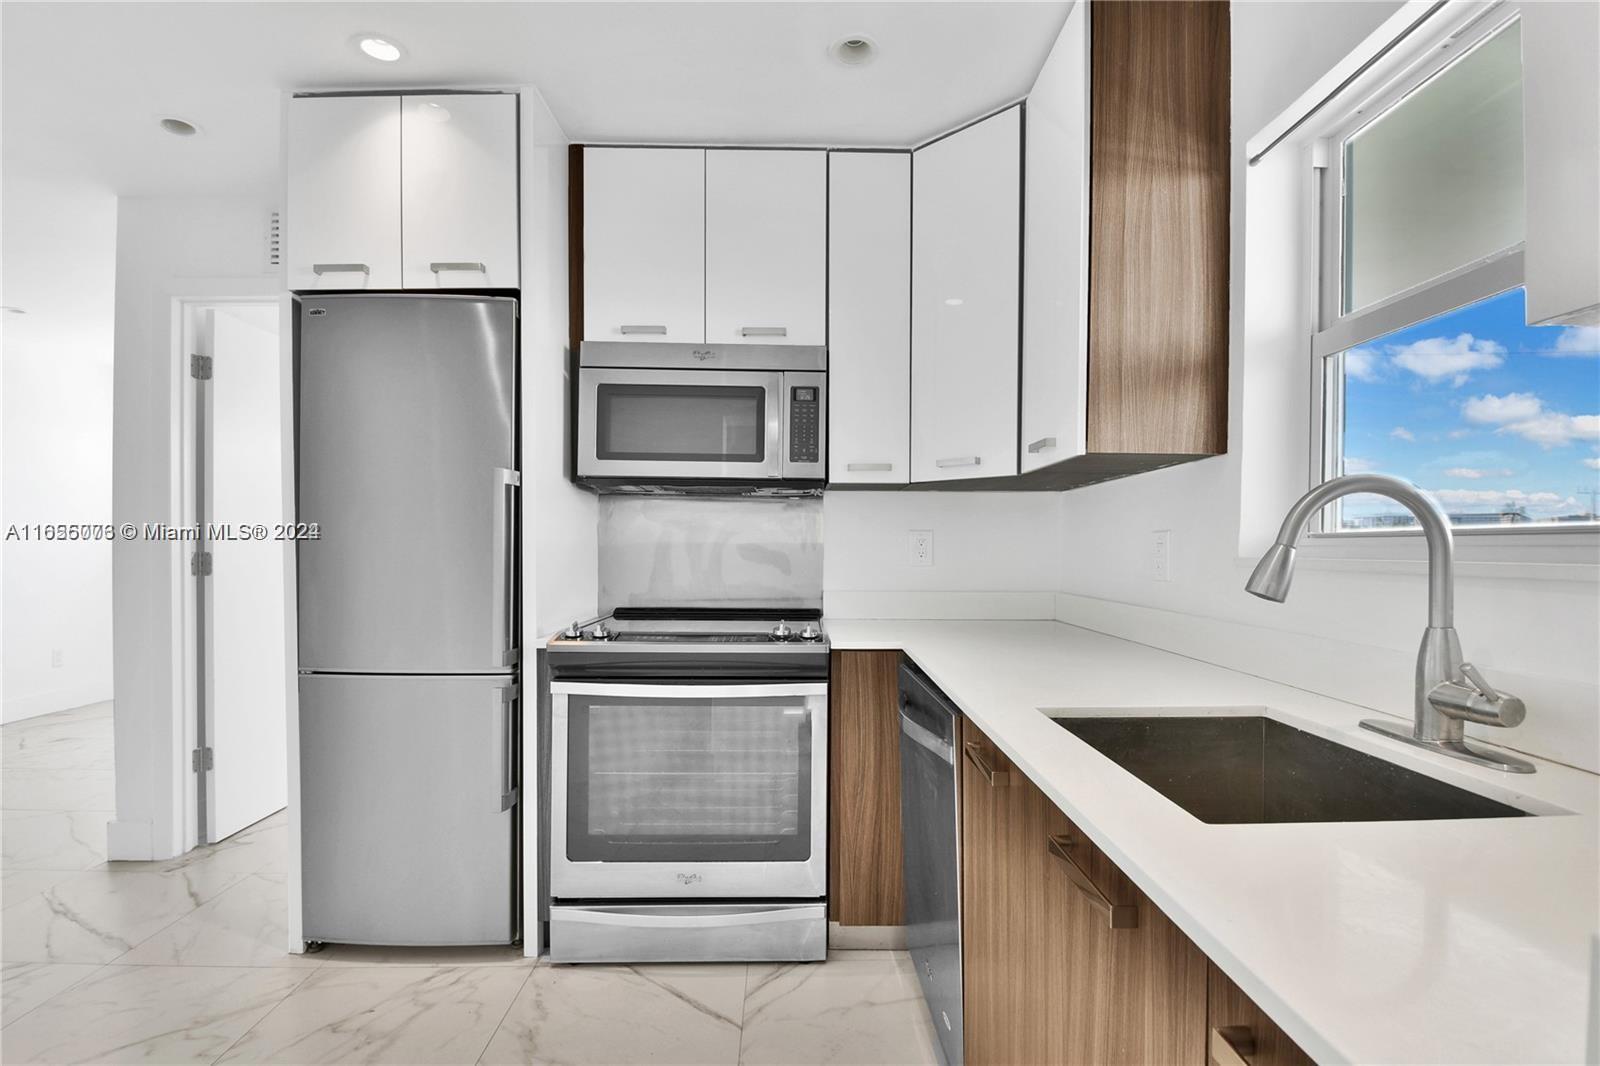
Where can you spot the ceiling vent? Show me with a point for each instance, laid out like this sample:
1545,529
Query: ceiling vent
274,237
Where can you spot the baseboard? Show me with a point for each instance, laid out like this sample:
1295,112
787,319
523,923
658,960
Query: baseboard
17,708
936,604
866,937
1561,723
129,841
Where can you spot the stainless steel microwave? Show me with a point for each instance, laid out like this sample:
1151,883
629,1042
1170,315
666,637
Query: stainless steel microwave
665,417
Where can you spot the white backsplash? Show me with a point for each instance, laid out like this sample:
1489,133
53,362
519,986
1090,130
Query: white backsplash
665,551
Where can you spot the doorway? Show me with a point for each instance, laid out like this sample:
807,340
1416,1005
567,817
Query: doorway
236,676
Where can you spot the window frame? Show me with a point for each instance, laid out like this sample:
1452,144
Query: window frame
1333,331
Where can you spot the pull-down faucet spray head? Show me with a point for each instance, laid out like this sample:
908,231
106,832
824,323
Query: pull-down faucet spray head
1272,574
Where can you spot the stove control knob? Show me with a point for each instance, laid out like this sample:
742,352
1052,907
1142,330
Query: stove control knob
812,631
781,631
572,632
600,632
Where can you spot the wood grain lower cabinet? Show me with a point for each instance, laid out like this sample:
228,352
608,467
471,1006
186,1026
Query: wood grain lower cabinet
1065,960
866,885
1237,1031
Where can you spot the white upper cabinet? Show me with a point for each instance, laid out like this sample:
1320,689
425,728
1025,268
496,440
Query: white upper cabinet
766,246
1055,250
1561,161
459,191
869,323
966,222
644,244
342,209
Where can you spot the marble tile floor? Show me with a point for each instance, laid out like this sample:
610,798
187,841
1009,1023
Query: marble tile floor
184,961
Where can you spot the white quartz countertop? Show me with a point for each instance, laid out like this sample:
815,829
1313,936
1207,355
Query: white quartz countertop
1378,942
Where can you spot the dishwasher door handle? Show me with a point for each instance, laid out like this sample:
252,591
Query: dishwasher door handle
923,737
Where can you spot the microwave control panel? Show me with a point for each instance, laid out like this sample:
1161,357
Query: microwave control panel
805,420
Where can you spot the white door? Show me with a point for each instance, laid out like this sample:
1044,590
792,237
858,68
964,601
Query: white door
1055,250
869,317
459,191
966,234
766,247
342,212
245,692
644,254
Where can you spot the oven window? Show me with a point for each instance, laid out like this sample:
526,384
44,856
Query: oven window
669,780
681,423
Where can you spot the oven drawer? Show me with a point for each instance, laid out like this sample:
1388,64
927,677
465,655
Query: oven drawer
708,932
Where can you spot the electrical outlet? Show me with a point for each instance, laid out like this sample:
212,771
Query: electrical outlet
55,658
1161,555
921,547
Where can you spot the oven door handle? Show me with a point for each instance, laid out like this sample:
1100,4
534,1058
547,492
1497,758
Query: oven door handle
690,692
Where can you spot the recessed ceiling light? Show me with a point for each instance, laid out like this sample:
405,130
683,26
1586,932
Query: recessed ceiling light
954,301
179,127
854,50
383,49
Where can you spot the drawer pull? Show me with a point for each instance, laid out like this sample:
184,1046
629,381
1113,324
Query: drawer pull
975,756
661,330
439,268
1232,1045
1118,915
869,466
1041,444
959,460
340,268
763,331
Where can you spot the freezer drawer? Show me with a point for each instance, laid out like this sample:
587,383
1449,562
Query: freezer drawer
696,932
405,433
408,791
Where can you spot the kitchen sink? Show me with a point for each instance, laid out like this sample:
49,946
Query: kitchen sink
1252,769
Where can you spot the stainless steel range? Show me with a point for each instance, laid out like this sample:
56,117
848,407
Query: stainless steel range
689,787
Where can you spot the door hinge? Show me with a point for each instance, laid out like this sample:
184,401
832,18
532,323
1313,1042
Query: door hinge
200,564
200,367
201,759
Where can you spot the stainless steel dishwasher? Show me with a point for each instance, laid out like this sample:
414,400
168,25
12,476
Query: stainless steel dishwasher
930,776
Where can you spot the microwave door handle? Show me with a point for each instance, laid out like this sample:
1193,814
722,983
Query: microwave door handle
777,427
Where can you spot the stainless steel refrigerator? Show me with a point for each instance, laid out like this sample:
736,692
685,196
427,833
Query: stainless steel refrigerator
406,437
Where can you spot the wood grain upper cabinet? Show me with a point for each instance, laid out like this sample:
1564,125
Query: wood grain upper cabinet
644,244
869,325
1239,1032
766,247
966,224
1055,249
342,209
1561,162
459,191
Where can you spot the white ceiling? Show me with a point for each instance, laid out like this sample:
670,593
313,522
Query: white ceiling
84,84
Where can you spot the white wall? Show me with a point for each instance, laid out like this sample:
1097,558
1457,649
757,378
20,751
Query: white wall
1348,629
167,249
995,554
58,262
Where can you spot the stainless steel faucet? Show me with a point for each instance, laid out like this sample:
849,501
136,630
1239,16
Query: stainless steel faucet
1450,692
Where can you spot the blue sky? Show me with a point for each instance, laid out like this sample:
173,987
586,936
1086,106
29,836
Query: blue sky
1480,410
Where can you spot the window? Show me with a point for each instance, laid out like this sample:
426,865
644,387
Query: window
1425,366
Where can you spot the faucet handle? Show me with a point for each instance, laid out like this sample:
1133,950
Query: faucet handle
1471,673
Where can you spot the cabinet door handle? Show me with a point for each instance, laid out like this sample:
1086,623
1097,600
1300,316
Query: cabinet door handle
1118,915
959,460
438,268
662,330
869,466
1232,1045
1041,444
763,331
975,756
340,268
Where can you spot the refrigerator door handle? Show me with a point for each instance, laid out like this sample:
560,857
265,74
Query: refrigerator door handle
510,793
503,552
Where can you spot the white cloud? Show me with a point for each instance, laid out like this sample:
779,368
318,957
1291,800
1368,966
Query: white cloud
1511,407
1470,473
1437,359
1361,364
1554,430
1578,340
1480,500
1354,464
1402,433
1593,462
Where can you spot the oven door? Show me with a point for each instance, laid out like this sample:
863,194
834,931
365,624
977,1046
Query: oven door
639,423
710,791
